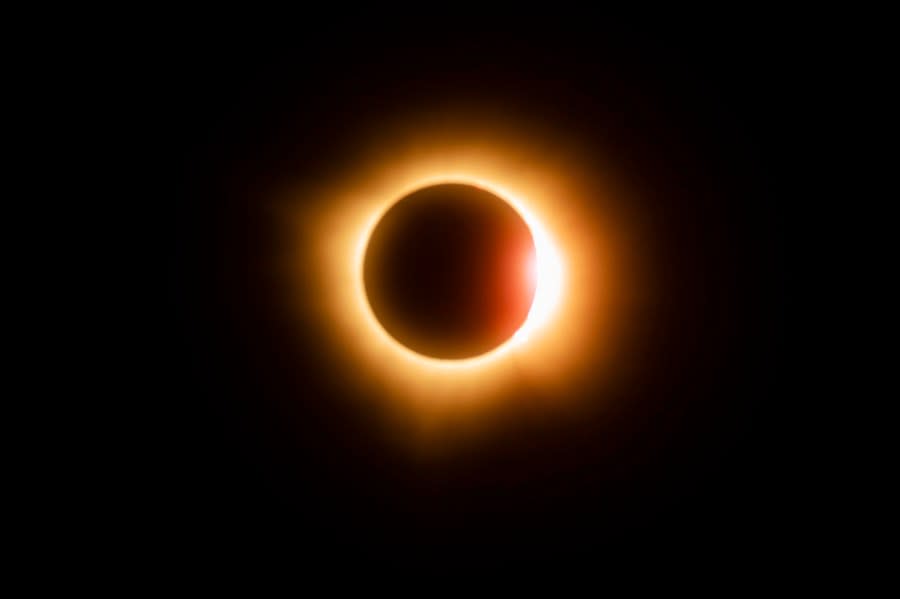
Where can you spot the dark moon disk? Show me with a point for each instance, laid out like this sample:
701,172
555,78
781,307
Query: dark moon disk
449,271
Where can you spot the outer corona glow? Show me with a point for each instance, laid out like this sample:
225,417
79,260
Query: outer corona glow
576,312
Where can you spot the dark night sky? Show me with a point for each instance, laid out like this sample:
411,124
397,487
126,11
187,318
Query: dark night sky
256,445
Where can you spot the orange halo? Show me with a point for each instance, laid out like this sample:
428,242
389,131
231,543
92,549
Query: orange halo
578,261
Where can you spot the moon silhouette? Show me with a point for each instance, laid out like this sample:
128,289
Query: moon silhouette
449,271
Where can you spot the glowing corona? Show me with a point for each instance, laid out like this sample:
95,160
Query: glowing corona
574,314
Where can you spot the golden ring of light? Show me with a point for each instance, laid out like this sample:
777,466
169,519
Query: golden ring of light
548,270
582,297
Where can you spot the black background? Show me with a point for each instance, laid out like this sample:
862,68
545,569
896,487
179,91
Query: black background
253,443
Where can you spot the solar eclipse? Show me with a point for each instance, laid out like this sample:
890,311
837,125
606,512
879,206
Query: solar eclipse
430,292
463,268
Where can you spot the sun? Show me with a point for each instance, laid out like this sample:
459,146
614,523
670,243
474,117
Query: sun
579,259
